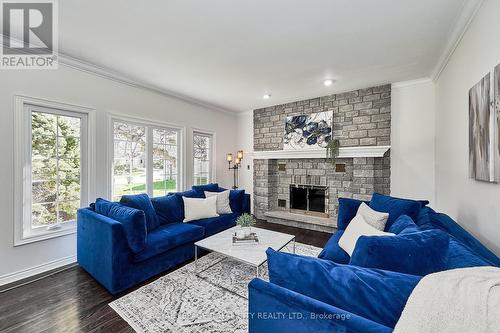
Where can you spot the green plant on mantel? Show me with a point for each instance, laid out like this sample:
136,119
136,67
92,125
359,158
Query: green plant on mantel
246,220
332,150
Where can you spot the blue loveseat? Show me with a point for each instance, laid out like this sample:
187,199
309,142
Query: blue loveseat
123,244
331,294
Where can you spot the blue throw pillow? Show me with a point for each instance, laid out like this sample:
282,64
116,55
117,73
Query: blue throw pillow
142,202
236,198
371,293
207,187
132,220
403,224
332,251
190,194
395,207
418,253
347,210
169,208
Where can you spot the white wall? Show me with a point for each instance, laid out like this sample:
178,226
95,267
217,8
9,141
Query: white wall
475,205
245,142
412,140
76,87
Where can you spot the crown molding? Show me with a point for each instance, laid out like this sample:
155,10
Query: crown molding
463,21
107,73
409,83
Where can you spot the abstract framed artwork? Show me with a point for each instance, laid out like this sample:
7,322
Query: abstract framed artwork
308,132
484,128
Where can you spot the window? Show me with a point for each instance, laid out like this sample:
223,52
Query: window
55,167
165,151
145,159
52,165
129,167
202,158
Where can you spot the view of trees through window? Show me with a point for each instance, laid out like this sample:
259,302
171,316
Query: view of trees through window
55,164
130,170
202,145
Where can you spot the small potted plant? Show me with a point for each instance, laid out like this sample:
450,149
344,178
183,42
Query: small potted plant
245,221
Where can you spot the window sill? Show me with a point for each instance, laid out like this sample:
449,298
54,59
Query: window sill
40,235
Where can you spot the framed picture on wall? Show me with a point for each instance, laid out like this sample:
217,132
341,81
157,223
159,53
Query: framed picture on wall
308,132
484,128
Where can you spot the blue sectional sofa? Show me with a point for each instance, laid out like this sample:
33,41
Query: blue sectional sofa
365,292
123,244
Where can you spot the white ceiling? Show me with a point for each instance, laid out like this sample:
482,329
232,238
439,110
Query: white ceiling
229,53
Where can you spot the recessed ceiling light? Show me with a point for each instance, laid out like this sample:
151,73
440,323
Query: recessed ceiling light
266,96
328,82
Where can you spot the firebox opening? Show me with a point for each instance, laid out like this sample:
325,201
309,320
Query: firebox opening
309,199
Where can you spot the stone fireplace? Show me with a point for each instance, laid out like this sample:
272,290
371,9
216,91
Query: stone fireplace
301,188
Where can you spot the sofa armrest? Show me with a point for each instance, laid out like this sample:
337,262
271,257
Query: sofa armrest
275,309
246,203
102,248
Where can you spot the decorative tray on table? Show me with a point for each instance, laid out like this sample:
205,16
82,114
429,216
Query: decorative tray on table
251,239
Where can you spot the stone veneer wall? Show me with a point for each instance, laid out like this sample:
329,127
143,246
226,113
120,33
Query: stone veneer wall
360,117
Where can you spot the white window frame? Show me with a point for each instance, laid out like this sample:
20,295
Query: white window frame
212,165
23,106
149,125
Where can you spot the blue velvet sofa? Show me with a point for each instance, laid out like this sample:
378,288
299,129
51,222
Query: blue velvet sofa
123,244
332,294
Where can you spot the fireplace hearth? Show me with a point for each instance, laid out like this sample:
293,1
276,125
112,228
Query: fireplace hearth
309,199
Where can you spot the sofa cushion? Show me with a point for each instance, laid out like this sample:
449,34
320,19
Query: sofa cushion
223,206
236,198
372,217
459,256
418,253
357,228
169,208
132,220
403,224
332,251
207,187
167,237
371,293
199,208
395,207
347,210
216,224
142,202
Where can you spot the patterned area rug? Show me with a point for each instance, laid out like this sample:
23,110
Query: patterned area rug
181,302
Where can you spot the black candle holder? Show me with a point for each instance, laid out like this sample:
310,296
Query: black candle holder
235,169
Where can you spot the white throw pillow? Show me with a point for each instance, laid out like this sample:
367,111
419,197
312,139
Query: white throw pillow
357,228
372,217
223,206
196,208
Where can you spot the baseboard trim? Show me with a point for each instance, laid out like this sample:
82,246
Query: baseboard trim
39,269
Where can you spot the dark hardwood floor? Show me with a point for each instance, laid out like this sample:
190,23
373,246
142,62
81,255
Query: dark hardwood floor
72,301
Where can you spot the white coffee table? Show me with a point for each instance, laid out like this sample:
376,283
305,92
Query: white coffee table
251,254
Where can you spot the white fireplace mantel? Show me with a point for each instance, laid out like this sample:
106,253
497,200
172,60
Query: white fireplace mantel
344,152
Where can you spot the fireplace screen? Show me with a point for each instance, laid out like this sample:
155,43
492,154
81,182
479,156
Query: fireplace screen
309,198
